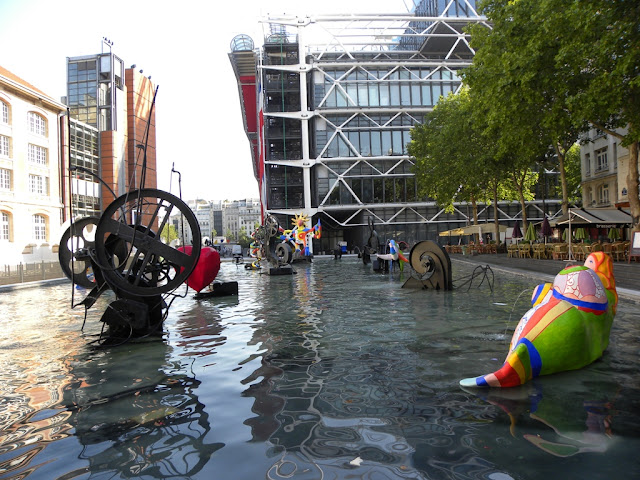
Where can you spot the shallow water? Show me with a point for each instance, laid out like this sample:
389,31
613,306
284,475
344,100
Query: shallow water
333,373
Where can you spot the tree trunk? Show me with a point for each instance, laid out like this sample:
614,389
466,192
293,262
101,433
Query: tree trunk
519,183
474,209
560,151
496,222
632,184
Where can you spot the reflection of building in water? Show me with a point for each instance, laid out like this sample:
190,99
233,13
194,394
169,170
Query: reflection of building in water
134,426
31,391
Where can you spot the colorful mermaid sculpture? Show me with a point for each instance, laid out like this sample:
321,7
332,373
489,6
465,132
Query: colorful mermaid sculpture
567,328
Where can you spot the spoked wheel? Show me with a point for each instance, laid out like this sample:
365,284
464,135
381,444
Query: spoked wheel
151,267
74,254
272,226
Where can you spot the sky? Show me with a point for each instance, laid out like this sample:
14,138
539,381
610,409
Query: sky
184,46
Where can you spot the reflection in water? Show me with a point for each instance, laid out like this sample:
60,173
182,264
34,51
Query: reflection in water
133,411
370,392
334,372
568,434
152,425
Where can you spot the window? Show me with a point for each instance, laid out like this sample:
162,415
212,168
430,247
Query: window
37,154
4,226
587,164
4,114
37,124
601,160
4,146
5,179
38,184
603,194
39,227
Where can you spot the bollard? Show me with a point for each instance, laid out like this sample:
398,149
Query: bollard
21,271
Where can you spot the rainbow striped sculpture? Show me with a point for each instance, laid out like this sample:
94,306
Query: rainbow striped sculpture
567,328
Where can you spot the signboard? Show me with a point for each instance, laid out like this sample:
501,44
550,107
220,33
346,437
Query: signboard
634,247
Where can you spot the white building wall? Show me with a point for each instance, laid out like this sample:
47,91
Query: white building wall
19,204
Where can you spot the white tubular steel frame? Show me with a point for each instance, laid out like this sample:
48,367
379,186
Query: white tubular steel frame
377,51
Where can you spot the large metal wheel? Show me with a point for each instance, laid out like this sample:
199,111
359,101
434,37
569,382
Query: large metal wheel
151,267
74,253
284,253
271,225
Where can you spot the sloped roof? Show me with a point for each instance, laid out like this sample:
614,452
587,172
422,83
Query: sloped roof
15,79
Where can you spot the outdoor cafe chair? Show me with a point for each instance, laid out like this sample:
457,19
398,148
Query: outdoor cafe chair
539,251
619,251
524,249
560,251
512,250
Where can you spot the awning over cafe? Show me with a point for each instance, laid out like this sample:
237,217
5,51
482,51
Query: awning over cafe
456,232
595,217
482,229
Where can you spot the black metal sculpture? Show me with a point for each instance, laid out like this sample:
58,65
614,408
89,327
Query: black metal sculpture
431,267
122,251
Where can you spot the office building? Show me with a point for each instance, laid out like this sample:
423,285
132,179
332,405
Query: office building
118,103
328,103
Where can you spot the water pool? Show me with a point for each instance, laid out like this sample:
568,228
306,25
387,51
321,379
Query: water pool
333,373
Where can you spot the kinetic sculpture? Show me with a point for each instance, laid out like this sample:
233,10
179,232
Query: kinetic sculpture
430,267
122,251
394,255
567,328
300,234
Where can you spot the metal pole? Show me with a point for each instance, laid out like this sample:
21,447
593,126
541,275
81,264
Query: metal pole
570,257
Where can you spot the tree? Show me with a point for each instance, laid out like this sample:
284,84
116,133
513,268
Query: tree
455,160
602,46
553,66
169,233
574,174
515,75
244,240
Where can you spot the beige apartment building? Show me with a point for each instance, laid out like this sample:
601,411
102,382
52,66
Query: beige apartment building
605,167
31,205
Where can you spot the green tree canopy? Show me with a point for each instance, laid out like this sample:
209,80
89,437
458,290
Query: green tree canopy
169,233
515,76
547,67
455,159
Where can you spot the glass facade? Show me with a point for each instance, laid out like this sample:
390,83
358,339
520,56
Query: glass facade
386,87
337,124
90,85
85,169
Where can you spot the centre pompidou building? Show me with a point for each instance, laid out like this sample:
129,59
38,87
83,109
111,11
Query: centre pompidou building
328,103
